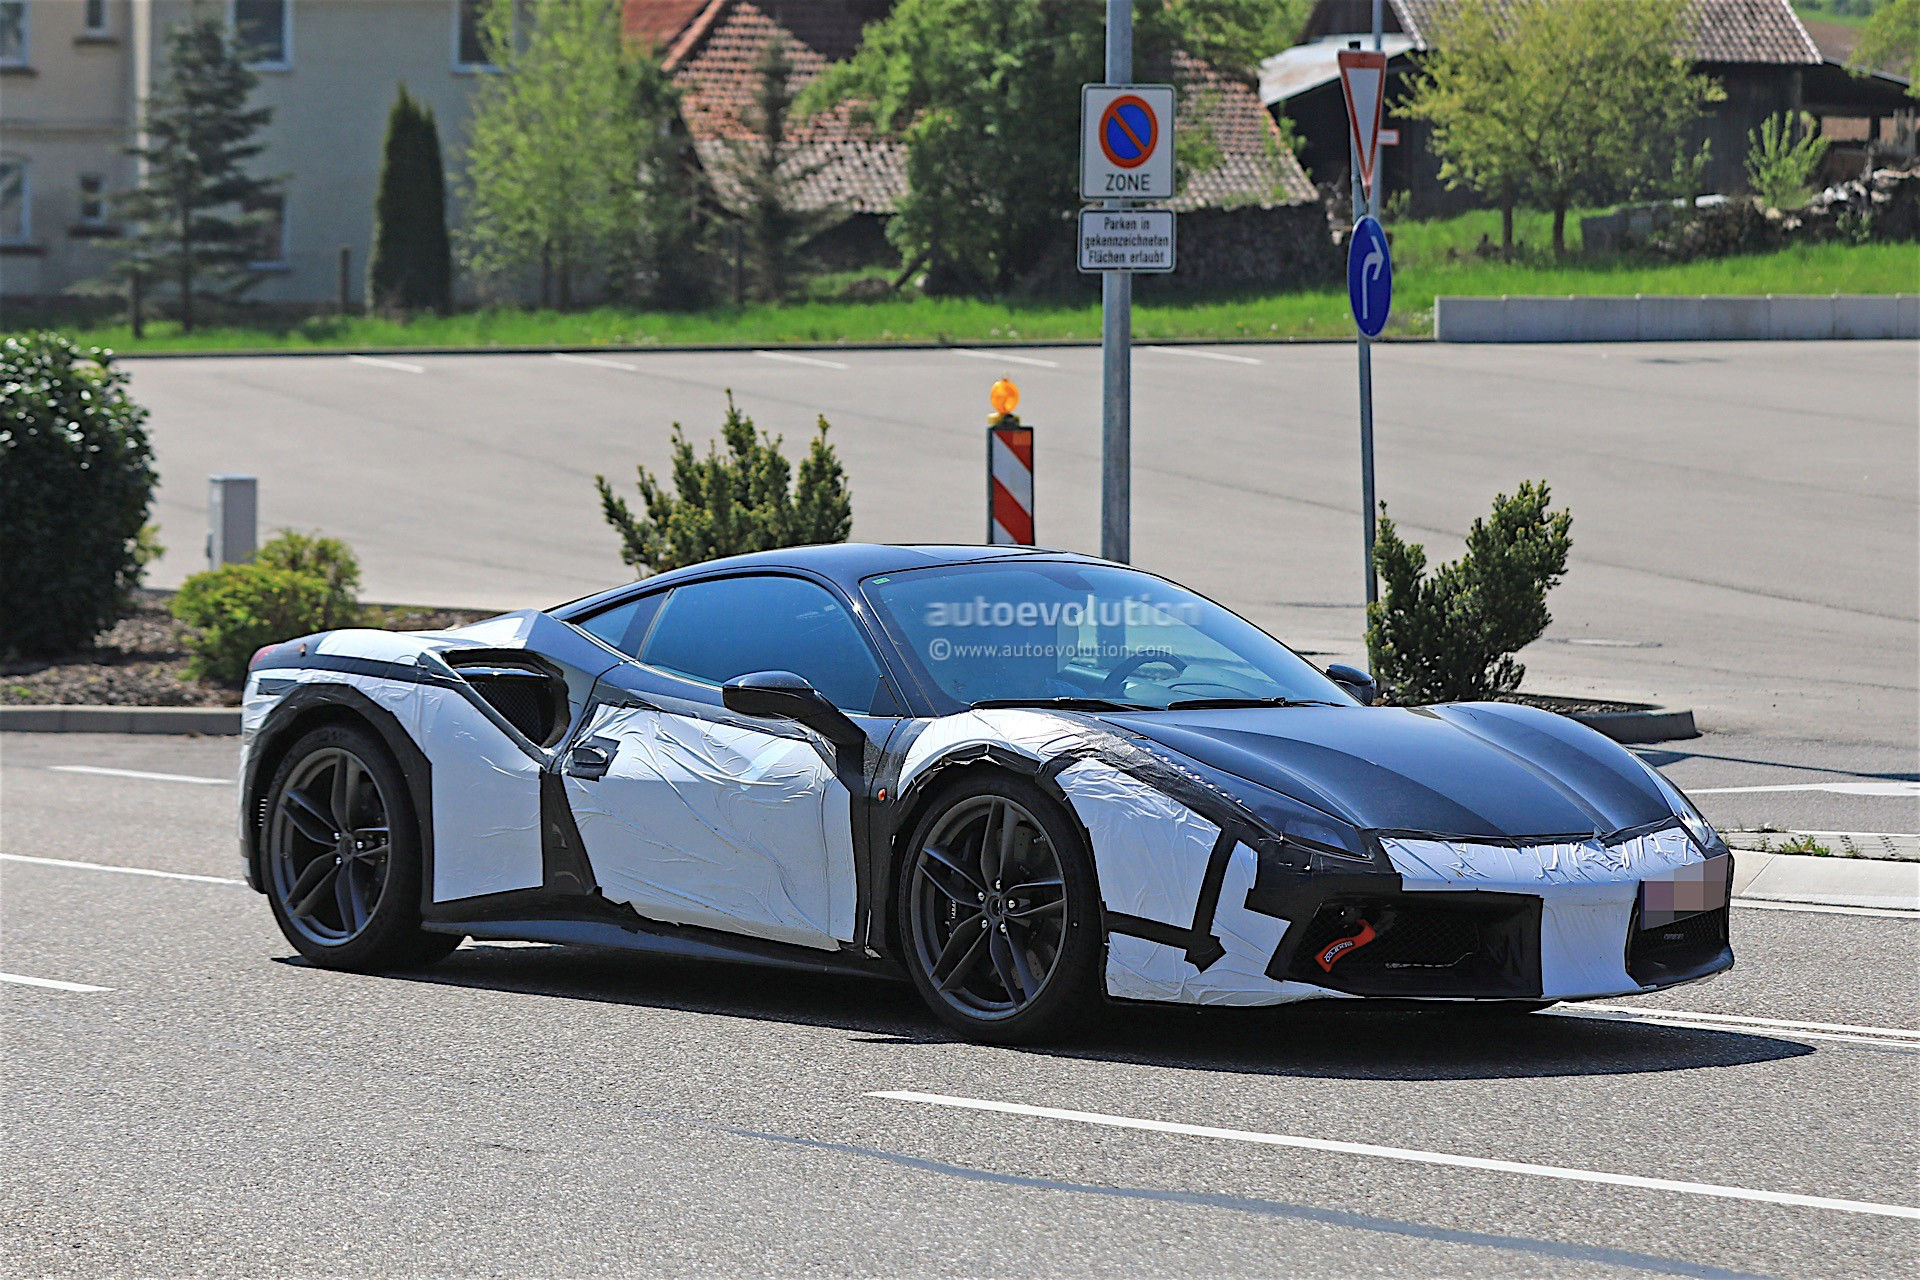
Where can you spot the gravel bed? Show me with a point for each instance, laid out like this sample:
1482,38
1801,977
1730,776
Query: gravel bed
141,661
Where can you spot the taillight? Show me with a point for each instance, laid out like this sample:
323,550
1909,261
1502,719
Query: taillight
258,654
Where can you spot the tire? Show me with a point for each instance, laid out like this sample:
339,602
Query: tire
998,965
342,898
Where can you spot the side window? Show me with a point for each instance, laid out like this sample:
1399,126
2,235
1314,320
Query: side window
624,626
714,631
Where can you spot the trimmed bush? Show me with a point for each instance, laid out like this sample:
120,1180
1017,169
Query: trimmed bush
730,504
1451,636
328,559
76,481
233,610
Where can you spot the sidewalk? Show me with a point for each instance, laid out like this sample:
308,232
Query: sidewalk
1840,882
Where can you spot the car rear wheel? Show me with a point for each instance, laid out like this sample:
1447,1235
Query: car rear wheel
341,855
999,913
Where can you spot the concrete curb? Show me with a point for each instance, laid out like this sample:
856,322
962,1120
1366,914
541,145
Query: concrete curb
216,721
1837,882
1677,318
1655,724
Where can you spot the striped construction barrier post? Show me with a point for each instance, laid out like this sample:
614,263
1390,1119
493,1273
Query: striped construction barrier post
1009,471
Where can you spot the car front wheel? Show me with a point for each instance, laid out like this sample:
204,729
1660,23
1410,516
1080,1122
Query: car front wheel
341,855
999,913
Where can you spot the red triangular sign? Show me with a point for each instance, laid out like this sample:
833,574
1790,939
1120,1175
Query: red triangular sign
1364,77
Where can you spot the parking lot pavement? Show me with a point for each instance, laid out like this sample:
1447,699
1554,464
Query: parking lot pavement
1745,514
194,1100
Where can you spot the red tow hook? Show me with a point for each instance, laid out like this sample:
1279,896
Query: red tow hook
1340,947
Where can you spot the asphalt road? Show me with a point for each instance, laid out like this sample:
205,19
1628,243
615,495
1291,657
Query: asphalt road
1746,515
212,1106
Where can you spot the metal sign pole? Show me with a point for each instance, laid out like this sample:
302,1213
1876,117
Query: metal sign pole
1367,501
1116,342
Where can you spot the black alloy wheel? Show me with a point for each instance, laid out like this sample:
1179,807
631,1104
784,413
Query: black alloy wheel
999,913
342,855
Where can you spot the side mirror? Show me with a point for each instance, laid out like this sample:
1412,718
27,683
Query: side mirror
782,695
1354,681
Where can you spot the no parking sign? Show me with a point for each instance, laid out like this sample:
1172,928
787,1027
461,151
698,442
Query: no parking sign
1126,142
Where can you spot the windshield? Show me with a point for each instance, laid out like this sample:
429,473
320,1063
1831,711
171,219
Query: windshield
1038,632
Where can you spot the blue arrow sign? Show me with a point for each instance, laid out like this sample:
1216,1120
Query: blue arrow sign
1369,276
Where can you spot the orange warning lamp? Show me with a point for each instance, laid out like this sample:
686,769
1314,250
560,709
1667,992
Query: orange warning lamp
1005,398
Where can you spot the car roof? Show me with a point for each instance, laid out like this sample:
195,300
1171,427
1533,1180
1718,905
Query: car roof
843,563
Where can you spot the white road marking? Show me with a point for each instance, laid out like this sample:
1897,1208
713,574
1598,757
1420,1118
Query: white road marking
790,358
1006,357
1648,1011
596,360
137,773
1876,1036
49,983
1198,354
1412,1156
1828,909
1894,788
125,871
401,365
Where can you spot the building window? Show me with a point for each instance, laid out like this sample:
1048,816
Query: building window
270,233
13,33
469,25
16,211
264,31
93,200
96,17
469,50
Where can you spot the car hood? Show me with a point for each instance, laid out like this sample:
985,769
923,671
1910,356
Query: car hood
1473,770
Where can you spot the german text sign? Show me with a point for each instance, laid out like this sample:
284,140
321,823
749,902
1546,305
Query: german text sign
1126,142
1126,240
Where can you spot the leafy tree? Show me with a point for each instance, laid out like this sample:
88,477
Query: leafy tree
1892,39
667,261
1548,102
765,182
1451,636
411,266
1237,35
729,504
554,142
986,94
1779,163
196,216
76,482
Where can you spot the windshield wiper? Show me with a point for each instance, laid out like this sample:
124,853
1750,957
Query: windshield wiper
1226,704
1065,704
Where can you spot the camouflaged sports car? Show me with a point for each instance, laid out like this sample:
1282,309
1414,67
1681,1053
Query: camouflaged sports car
1029,781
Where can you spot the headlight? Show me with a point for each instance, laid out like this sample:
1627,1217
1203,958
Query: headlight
1698,829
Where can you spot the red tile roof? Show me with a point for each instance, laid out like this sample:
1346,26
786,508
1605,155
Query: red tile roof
1254,168
1765,31
658,21
715,51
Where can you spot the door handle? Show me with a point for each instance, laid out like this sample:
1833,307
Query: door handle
591,759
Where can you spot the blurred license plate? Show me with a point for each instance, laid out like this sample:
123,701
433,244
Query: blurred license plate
1686,891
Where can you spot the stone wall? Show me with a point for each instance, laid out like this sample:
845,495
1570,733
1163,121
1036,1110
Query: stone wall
1285,246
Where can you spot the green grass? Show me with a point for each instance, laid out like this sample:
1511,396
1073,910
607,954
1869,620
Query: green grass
1824,11
1424,268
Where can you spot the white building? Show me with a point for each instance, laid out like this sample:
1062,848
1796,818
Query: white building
72,76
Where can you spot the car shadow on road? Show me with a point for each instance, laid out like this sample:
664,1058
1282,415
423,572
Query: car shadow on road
1333,1040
